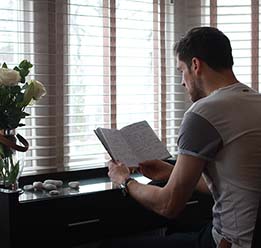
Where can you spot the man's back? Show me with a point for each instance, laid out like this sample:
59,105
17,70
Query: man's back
234,177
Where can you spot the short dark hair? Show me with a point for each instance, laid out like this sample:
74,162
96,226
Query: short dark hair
208,44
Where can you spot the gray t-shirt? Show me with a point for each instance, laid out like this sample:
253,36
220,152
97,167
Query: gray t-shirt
224,128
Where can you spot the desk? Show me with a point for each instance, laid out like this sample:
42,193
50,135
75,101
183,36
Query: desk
96,211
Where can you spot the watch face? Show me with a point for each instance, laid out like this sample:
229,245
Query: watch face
123,189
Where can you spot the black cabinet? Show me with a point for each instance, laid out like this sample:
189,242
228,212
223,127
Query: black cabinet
95,212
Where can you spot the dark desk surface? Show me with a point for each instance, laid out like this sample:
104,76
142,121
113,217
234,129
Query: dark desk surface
86,186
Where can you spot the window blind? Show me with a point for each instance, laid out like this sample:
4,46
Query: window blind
124,62
110,63
239,20
104,63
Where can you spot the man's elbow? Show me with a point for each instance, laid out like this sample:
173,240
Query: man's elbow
171,211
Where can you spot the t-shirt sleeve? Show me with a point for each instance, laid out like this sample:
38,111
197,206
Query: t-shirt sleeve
197,137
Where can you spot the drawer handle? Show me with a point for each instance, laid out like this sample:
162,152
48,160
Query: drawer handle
83,222
192,202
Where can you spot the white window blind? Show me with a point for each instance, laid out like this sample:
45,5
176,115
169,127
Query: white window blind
120,63
104,63
110,63
239,20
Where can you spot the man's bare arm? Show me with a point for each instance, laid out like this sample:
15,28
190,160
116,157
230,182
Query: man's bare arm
171,199
202,186
156,169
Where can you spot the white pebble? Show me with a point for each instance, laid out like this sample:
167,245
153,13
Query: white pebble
54,192
28,187
57,183
49,186
38,185
74,184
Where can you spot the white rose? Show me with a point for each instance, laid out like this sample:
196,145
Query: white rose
9,77
34,91
39,89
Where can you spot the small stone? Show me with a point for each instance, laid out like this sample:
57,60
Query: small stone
54,192
28,187
49,186
74,184
38,185
57,183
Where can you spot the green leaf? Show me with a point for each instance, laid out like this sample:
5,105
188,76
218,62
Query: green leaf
2,154
17,69
22,78
1,166
4,65
14,173
24,69
19,97
15,89
25,64
6,166
24,72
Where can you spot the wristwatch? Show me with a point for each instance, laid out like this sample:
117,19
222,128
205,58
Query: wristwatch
124,185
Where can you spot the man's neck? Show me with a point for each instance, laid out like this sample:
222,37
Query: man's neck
216,80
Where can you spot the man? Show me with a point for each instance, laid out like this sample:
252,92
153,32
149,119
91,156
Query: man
219,147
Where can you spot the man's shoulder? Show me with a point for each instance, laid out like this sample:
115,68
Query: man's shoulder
222,100
206,104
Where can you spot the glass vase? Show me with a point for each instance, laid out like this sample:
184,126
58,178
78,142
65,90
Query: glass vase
10,165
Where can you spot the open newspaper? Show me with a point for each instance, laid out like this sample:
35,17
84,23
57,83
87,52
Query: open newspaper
132,144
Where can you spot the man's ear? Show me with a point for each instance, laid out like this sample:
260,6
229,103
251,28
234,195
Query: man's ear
196,65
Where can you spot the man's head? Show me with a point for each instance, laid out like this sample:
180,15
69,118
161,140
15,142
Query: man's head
208,44
202,56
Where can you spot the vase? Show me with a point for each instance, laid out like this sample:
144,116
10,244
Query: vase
11,165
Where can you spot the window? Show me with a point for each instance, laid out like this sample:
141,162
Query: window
239,20
117,71
109,63
105,63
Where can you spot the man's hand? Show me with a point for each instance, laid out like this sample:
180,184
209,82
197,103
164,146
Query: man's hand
118,172
155,169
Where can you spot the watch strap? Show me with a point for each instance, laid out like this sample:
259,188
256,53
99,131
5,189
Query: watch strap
124,185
